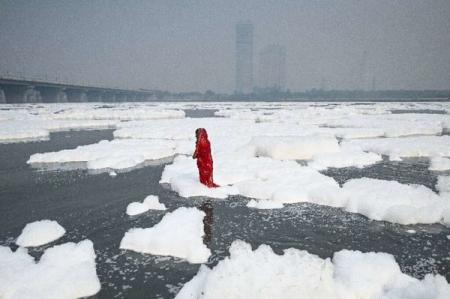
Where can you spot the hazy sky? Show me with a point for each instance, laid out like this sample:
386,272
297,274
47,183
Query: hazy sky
189,45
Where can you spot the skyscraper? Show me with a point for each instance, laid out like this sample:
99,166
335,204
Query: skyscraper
272,67
244,58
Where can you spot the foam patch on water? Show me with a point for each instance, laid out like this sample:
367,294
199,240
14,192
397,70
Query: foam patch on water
15,131
39,233
439,164
395,148
64,271
115,154
117,112
151,202
178,234
178,129
278,130
263,204
344,120
347,156
443,184
294,148
259,178
35,129
35,122
393,202
394,125
349,274
279,182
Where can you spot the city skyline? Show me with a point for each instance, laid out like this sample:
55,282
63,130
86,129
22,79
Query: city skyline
191,47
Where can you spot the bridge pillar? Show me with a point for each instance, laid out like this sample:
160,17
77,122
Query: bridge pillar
32,95
21,94
77,95
61,97
53,94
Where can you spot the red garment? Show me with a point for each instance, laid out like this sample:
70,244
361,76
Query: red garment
204,158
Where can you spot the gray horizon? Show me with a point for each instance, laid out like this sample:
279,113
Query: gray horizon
190,46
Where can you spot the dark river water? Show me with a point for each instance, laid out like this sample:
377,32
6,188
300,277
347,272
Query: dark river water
93,206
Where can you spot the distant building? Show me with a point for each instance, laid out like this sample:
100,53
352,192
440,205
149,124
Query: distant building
272,68
244,58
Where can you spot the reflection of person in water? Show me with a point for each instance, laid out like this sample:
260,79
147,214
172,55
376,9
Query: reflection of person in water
204,158
207,221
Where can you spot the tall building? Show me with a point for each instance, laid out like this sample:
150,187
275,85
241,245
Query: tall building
272,67
244,58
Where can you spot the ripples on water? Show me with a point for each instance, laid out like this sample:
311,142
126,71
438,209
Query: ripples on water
93,206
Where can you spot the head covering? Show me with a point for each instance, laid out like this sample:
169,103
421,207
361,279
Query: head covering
201,133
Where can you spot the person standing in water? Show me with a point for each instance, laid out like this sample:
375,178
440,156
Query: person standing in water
204,158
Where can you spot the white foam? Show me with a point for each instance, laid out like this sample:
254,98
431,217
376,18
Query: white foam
30,122
287,182
343,120
115,154
178,129
119,113
189,185
259,178
394,125
439,164
178,234
16,131
395,148
350,274
136,208
294,148
443,184
39,233
347,156
151,202
263,204
393,202
277,130
64,271
33,129
355,133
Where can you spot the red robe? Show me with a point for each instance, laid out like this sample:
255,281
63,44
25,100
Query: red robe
204,159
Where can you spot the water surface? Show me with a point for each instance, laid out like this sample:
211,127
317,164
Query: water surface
93,206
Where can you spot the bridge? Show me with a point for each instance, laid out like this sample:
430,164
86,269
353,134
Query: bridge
13,90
